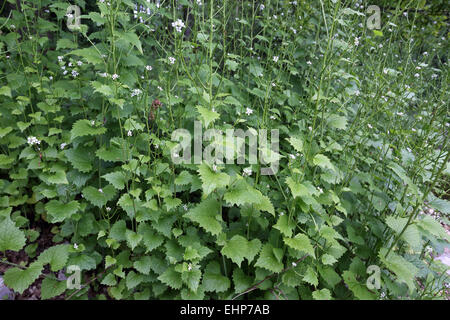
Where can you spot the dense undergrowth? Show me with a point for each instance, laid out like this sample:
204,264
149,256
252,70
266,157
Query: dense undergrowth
87,117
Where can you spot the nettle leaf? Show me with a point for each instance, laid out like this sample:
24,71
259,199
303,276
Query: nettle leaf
84,127
60,211
19,280
268,260
238,248
403,269
207,215
207,116
213,280
51,288
112,154
133,279
117,179
99,197
80,158
171,278
301,243
212,180
56,256
11,237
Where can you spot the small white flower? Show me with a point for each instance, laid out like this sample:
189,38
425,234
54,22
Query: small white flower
136,92
178,25
51,78
63,145
108,209
70,64
100,190
75,246
248,111
185,207
275,58
115,76
320,189
214,168
190,267
33,140
79,63
160,89
308,62
148,68
356,41
261,7
103,75
93,123
281,213
370,126
294,264
400,114
129,133
247,171
416,75
292,156
273,84
74,73
60,58
172,60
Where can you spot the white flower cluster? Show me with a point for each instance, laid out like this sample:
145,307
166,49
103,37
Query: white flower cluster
141,10
171,60
178,25
136,92
247,172
33,140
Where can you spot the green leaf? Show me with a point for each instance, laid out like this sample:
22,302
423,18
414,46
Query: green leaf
298,189
238,248
5,91
323,294
297,143
336,121
171,278
150,238
285,225
143,265
207,215
207,116
51,288
117,179
80,158
118,230
192,279
19,280
323,162
404,270
241,281
359,290
99,197
432,226
310,277
56,256
213,280
83,128
11,237
133,239
60,211
212,180
133,279
183,178
301,243
268,260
